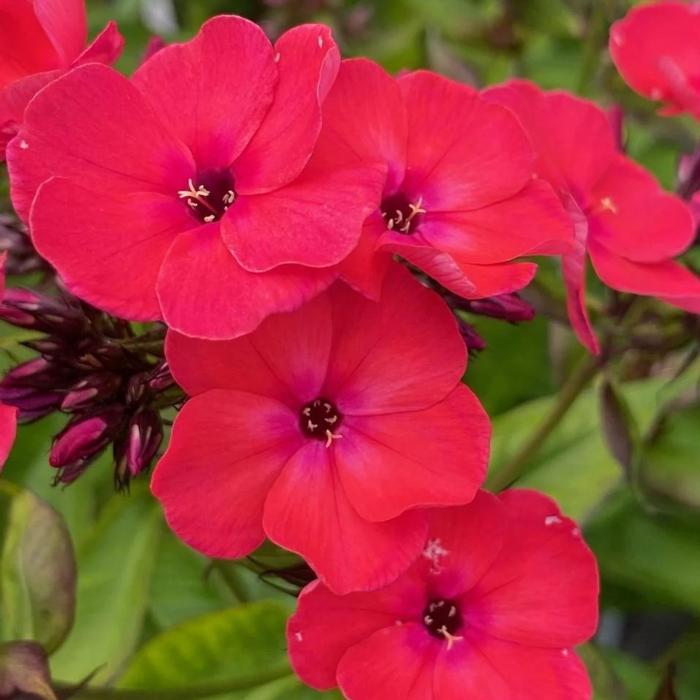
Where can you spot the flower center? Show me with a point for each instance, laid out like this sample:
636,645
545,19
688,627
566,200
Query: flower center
211,196
400,214
443,619
320,419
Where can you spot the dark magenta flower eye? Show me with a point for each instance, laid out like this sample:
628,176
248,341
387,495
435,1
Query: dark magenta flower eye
400,214
210,196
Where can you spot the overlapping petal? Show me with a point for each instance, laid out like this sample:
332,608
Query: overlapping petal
227,449
307,511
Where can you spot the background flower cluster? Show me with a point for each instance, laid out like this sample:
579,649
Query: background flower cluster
299,399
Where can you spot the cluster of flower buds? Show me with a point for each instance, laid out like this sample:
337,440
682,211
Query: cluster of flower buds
93,367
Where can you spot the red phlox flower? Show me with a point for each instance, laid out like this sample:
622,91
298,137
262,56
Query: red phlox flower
187,193
506,587
655,48
459,200
623,220
8,414
39,41
324,429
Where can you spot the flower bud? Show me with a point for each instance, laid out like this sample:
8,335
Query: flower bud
27,309
472,339
33,388
145,437
93,389
84,438
508,307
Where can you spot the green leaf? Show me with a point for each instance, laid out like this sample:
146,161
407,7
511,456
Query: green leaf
670,461
183,584
37,570
220,652
657,556
291,688
115,565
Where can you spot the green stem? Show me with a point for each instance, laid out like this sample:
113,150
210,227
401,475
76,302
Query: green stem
193,692
577,382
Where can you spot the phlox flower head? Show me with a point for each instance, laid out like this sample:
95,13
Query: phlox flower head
39,41
459,200
655,49
504,590
323,430
188,192
624,222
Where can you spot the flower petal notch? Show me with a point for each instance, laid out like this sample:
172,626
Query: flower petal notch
503,592
308,431
195,219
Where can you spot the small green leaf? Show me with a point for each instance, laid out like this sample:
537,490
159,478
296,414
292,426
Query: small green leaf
234,649
37,570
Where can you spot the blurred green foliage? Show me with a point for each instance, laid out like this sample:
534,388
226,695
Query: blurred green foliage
151,614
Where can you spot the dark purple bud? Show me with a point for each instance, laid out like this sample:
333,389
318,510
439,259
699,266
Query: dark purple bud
689,174
27,309
145,437
472,339
22,258
33,388
160,379
616,119
509,307
96,388
84,438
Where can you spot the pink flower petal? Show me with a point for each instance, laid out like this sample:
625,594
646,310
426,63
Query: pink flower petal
572,137
463,151
8,430
366,376
285,358
655,49
326,625
366,266
108,249
307,60
88,145
205,293
463,278
387,465
543,589
328,206
227,449
364,120
65,23
574,272
213,91
491,669
462,545
395,662
667,279
24,46
531,222
106,47
308,512
634,218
